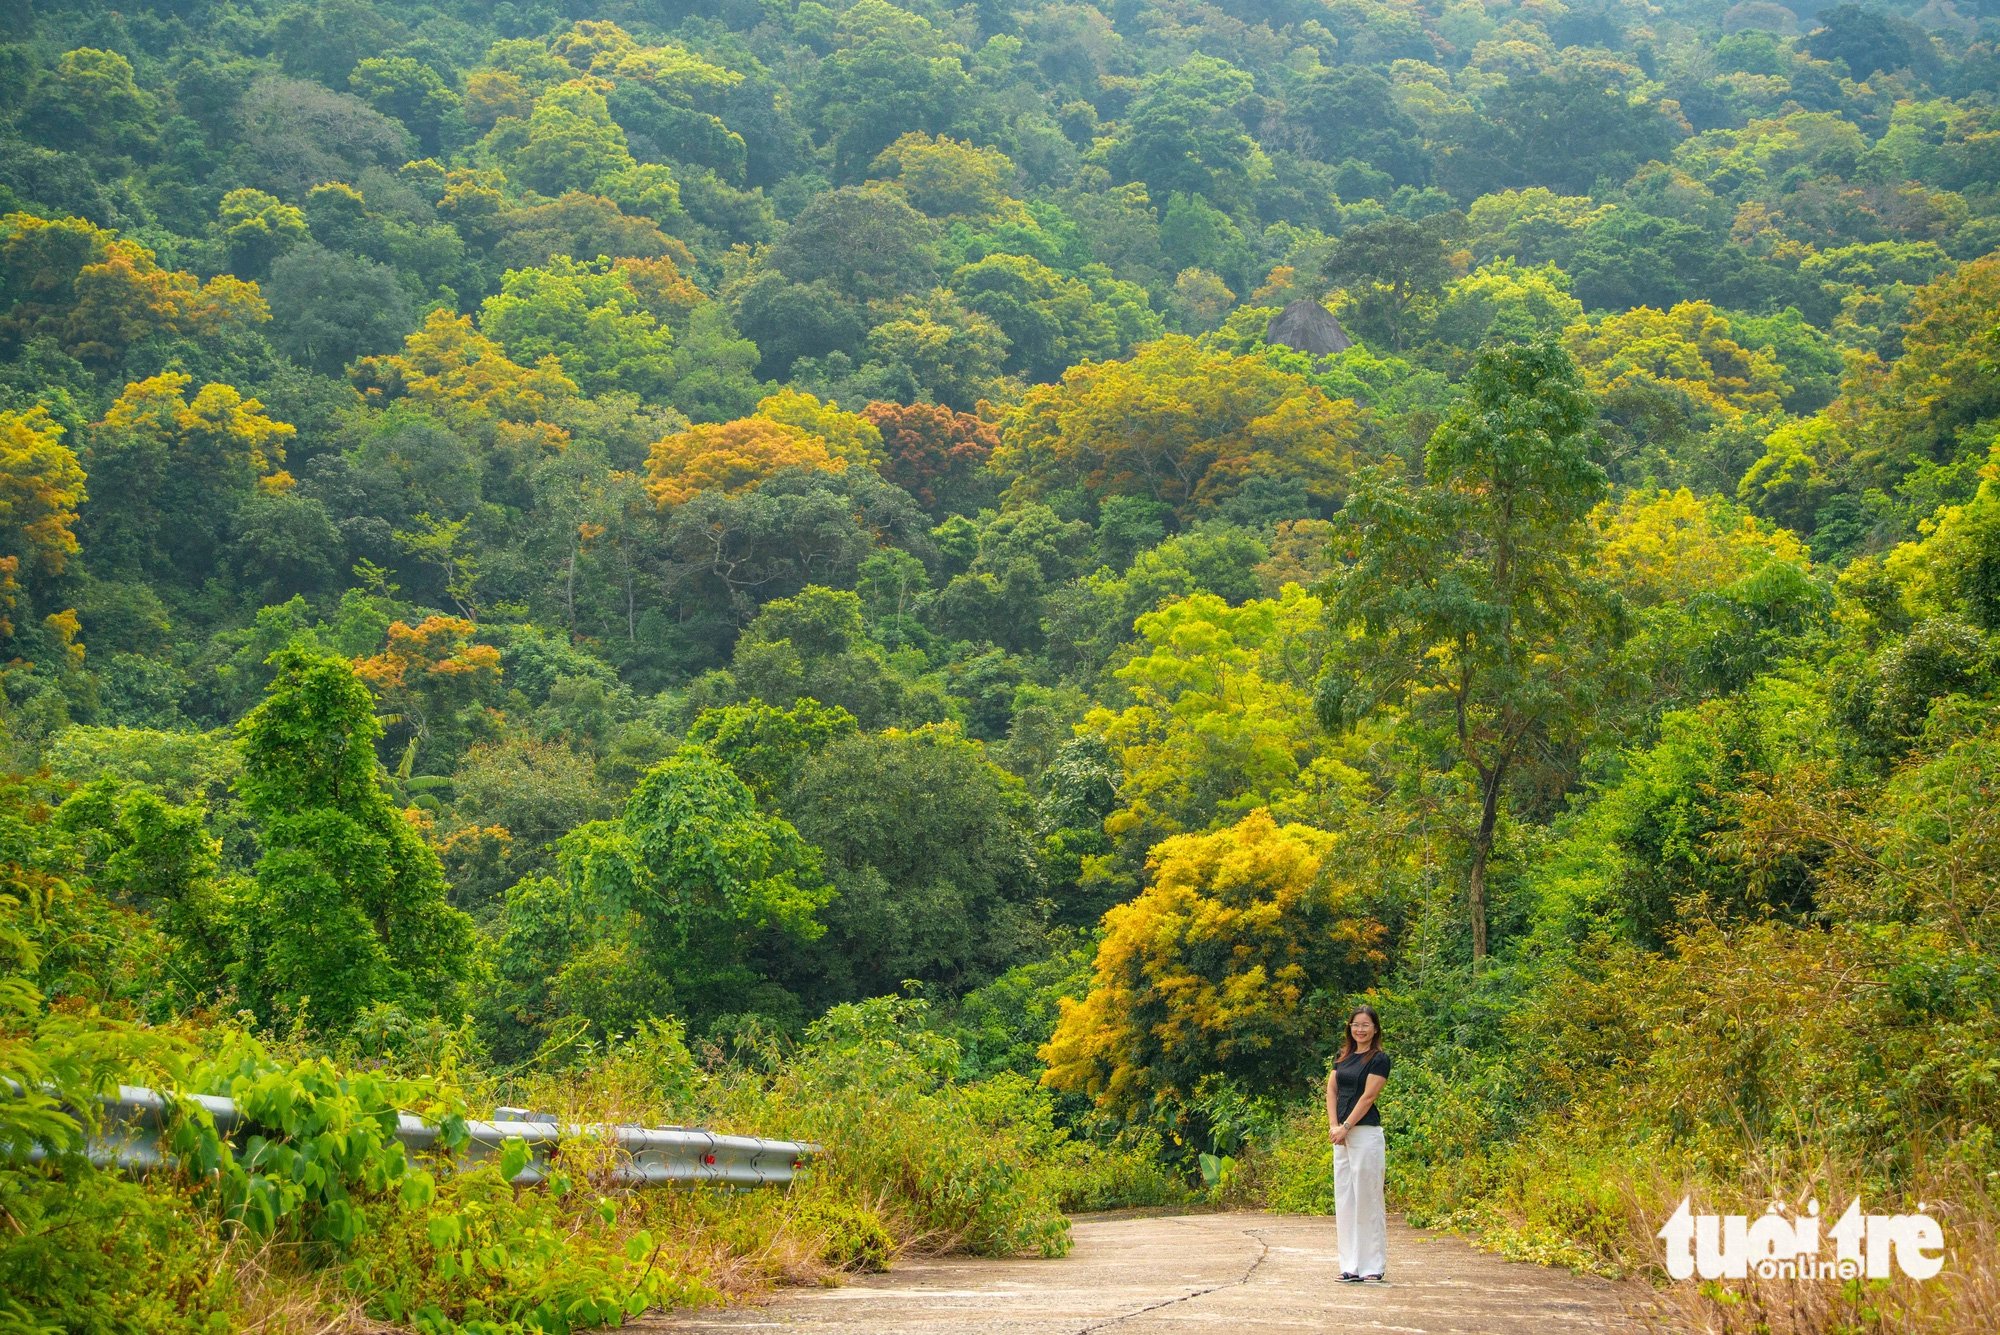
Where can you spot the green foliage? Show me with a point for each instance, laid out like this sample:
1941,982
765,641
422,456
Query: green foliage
719,501
348,903
654,912
967,1160
766,745
1472,600
933,880
588,317
852,1236
93,1251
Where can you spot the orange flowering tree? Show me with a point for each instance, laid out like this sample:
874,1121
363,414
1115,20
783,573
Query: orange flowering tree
439,685
97,294
936,454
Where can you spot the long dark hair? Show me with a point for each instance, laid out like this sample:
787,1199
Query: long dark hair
1347,1034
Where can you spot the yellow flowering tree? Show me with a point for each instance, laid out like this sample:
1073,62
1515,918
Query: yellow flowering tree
168,468
731,457
41,484
1663,546
849,436
467,380
1689,351
1219,718
1234,960
1181,425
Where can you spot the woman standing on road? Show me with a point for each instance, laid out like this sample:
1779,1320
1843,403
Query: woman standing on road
1352,1086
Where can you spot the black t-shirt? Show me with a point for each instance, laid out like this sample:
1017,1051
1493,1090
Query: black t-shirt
1350,1079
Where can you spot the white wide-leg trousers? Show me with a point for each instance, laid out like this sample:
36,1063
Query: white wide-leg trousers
1359,1216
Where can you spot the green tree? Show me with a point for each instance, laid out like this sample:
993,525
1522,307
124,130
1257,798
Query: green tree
655,913
1218,722
713,368
1349,112
1390,270
866,241
799,527
1505,300
91,97
935,351
947,178
256,228
586,315
158,857
1022,554
1051,322
168,471
347,906
1564,130
788,320
415,94
766,745
1183,134
925,840
890,72
1197,235
569,141
1865,40
1471,601
296,135
328,308
813,646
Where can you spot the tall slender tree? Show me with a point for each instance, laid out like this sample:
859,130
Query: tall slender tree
1470,602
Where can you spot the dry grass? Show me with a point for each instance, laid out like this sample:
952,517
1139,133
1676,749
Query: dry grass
1964,1298
277,1296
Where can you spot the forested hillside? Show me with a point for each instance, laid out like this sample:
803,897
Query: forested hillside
758,561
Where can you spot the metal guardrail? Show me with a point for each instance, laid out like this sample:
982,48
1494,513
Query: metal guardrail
129,1138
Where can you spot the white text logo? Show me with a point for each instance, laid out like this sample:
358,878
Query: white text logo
1788,1246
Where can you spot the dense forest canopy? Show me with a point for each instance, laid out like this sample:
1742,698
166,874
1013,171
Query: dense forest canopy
529,525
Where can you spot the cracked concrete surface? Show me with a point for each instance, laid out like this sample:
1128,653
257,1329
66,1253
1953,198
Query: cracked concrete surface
1188,1273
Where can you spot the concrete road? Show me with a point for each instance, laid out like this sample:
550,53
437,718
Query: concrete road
1209,1273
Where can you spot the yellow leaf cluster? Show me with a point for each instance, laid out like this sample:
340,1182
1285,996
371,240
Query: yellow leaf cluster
1664,546
731,457
1218,718
218,427
849,436
1690,349
950,178
1211,967
1181,425
41,484
451,368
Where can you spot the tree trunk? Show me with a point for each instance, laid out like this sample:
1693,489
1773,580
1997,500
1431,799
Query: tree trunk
1482,850
569,591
